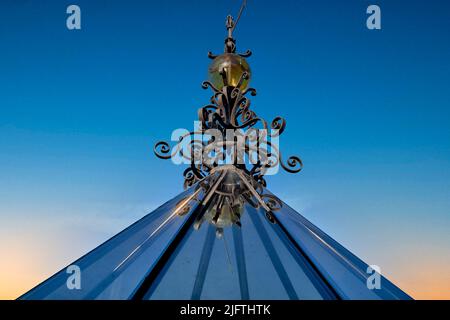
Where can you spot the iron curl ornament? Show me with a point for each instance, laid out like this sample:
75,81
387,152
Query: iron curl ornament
228,131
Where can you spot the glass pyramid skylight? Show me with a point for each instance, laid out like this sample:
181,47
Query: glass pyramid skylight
183,250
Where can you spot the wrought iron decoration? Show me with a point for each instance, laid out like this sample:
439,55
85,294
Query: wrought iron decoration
229,109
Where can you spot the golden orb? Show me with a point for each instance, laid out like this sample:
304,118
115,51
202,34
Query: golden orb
233,66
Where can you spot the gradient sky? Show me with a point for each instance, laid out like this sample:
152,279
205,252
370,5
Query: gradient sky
367,111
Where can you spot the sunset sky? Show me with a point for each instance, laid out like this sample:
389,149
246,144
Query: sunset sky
368,111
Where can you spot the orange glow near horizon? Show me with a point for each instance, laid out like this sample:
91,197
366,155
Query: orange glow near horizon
32,260
31,254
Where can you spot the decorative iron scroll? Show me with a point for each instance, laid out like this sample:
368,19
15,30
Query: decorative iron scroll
229,109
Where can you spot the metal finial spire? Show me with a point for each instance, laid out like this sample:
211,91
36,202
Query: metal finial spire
230,42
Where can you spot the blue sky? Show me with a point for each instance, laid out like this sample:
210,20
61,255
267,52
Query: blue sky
367,111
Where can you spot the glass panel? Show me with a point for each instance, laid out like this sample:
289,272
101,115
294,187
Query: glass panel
254,261
221,281
263,279
128,255
305,281
297,276
345,272
177,279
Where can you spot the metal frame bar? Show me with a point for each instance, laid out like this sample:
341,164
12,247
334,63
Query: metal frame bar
204,263
326,287
240,261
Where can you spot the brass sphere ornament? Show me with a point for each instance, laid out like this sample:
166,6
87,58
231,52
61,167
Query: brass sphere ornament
227,70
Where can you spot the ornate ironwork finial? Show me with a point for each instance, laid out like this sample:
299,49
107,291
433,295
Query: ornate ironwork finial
229,110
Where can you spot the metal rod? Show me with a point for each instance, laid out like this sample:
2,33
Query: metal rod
243,5
252,190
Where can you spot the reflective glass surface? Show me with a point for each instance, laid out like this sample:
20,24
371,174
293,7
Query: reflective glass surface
254,261
220,240
345,272
117,267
